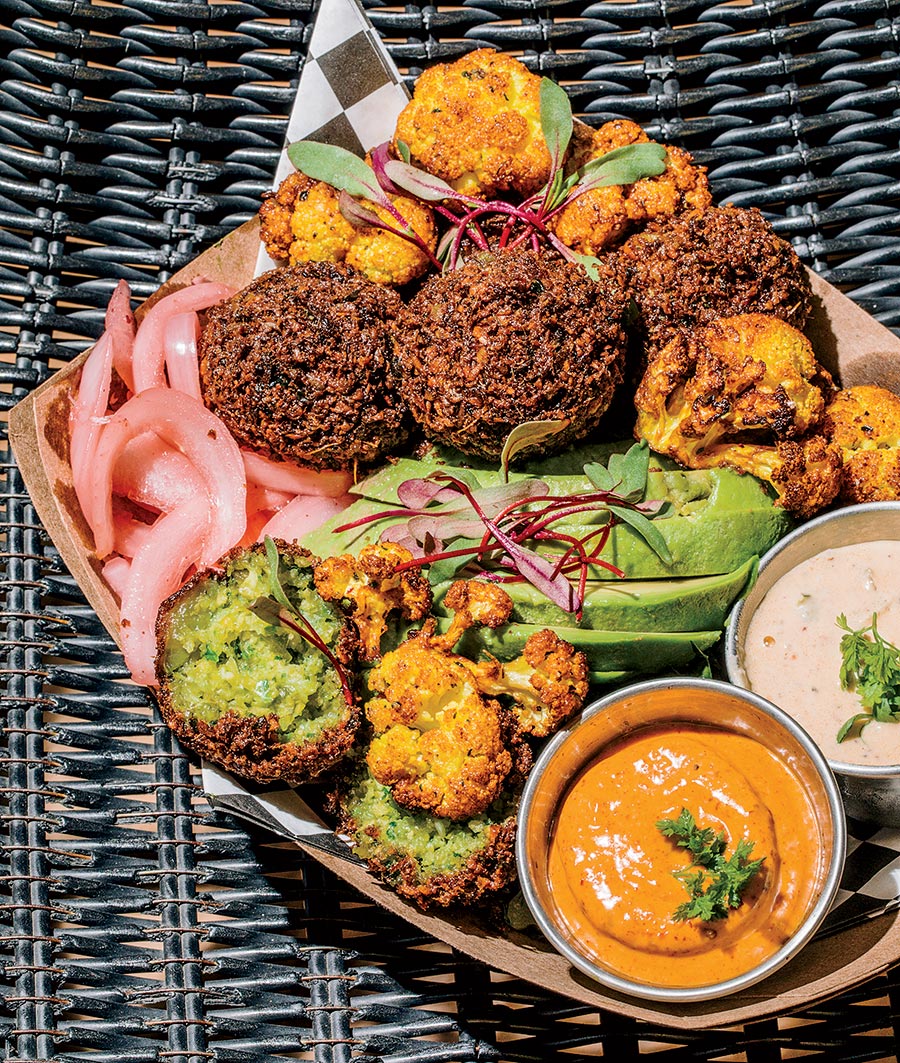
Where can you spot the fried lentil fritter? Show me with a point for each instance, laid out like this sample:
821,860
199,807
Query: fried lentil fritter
299,365
511,337
247,694
426,859
693,268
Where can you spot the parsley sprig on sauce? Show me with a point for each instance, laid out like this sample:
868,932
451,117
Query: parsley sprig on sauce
714,883
870,665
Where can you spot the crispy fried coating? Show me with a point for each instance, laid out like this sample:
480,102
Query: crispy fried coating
300,365
439,745
864,421
511,337
746,392
474,602
370,586
476,124
597,219
693,268
302,222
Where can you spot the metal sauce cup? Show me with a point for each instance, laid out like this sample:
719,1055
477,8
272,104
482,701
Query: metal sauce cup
870,792
687,701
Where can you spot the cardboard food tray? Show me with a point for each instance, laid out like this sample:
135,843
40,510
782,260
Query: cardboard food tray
852,345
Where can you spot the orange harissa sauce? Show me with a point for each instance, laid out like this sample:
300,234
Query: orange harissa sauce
611,869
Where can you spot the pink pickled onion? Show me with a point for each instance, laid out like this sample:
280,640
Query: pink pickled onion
285,476
150,472
303,515
174,544
120,327
180,341
264,498
131,534
188,426
88,408
115,572
149,345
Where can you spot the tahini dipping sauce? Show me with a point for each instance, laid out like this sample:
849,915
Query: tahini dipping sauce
610,868
792,650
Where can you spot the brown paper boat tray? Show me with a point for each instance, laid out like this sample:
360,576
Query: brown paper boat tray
850,343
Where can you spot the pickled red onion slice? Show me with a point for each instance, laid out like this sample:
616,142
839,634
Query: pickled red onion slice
150,472
303,515
115,572
88,409
131,534
285,476
175,543
264,498
188,426
120,326
182,332
149,345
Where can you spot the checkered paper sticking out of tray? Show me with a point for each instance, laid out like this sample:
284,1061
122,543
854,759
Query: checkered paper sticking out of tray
350,94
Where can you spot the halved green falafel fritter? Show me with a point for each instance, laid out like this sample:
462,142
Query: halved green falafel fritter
250,695
428,859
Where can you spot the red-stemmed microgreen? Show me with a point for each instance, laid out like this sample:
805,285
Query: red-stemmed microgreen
278,609
521,531
526,223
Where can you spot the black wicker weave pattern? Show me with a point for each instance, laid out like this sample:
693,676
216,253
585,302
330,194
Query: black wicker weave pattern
135,924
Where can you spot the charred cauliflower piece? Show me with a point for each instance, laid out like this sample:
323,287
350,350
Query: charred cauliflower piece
745,392
439,745
371,588
599,218
302,222
426,859
547,683
246,693
476,123
864,421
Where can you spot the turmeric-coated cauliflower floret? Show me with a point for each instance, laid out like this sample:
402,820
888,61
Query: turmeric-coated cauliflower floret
864,421
373,588
302,222
439,745
547,683
598,218
746,392
474,602
476,123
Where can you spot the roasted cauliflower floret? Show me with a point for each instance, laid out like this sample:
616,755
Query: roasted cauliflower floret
864,421
547,683
439,745
746,392
302,222
475,602
598,218
476,123
371,588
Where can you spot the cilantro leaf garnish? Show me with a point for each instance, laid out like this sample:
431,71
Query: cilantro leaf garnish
714,883
870,665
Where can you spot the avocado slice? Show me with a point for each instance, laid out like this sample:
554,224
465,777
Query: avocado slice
698,604
606,651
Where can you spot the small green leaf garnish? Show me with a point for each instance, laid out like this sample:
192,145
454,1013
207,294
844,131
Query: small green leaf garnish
714,884
403,150
556,120
870,666
622,166
337,167
525,435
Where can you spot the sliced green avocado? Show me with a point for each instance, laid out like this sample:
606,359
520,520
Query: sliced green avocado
698,604
606,651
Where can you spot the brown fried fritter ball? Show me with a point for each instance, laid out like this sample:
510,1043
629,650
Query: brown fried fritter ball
300,365
599,218
511,337
302,222
693,268
476,124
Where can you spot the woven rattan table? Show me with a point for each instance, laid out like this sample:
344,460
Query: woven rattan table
135,923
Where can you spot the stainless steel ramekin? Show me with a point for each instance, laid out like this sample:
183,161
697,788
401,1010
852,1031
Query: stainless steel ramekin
870,792
692,701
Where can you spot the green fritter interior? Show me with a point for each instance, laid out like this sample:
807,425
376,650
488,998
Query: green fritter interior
221,657
385,831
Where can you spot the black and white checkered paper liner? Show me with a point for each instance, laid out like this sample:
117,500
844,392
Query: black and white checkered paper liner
350,94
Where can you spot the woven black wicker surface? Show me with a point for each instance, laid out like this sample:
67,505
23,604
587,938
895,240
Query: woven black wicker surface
136,924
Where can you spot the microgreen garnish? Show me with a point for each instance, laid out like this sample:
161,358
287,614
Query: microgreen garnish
870,665
279,609
525,435
527,223
514,531
714,884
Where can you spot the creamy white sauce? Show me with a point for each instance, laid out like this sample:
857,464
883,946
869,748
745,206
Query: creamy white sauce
792,653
